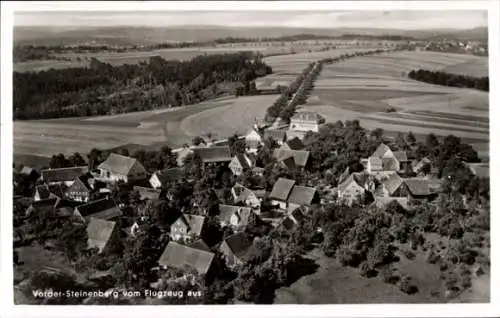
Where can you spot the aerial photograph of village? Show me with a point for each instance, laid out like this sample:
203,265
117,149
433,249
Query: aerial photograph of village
250,157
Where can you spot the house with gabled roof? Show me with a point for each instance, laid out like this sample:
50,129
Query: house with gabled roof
293,219
301,196
254,139
62,175
42,192
306,121
105,209
279,135
117,167
391,186
29,171
214,155
185,258
281,191
422,188
187,227
244,195
148,193
353,188
236,217
241,163
101,234
163,177
291,158
382,151
237,249
383,202
79,190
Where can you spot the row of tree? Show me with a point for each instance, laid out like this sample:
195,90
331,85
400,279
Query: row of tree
448,79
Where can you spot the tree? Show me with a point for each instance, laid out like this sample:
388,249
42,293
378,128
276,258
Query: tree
76,160
124,152
431,141
410,138
59,161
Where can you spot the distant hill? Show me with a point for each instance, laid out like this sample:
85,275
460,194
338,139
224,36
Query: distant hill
149,35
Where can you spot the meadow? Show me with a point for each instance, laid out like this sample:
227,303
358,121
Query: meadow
221,117
376,91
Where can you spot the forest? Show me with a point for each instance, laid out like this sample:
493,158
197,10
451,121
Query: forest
103,89
447,79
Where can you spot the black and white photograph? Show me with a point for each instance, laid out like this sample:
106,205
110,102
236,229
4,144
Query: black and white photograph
247,156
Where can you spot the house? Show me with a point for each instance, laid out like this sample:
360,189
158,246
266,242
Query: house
147,193
382,151
160,178
480,170
187,227
236,249
293,219
281,191
105,209
185,258
374,165
306,121
302,196
45,207
420,166
258,171
63,175
79,190
352,189
253,139
285,156
241,163
422,188
182,154
391,186
278,135
217,154
402,161
236,217
382,202
42,192
29,171
101,234
244,195
117,167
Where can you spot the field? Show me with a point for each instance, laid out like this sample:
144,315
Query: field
168,126
365,88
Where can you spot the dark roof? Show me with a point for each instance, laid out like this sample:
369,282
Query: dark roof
63,174
422,186
295,144
245,161
296,214
226,212
99,232
195,223
381,150
302,195
184,257
240,245
213,154
200,245
148,193
307,116
300,157
392,183
401,156
43,191
282,188
65,211
118,164
103,209
169,175
57,190
382,202
288,223
276,134
43,206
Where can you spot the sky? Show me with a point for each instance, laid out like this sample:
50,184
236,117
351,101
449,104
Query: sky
409,20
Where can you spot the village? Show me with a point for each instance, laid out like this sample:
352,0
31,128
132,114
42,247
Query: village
87,195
